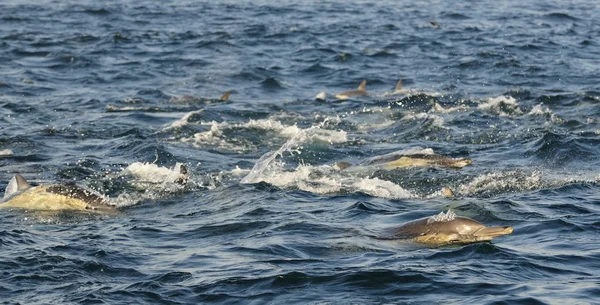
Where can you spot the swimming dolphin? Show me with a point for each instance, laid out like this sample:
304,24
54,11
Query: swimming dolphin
195,99
360,91
397,91
434,24
447,228
401,160
54,197
398,86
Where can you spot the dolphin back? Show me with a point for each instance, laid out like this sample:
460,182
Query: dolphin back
57,197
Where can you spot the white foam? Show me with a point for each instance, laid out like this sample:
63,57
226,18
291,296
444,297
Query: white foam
439,109
267,163
416,151
215,136
442,217
540,110
437,121
381,188
239,171
322,179
501,105
268,124
184,120
6,152
499,181
153,173
154,180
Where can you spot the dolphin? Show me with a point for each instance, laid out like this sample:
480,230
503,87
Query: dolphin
20,194
360,91
402,160
433,24
195,99
445,229
54,197
398,88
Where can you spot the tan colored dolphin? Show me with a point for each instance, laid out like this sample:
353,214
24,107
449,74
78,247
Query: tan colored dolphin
401,160
398,86
427,160
398,90
360,91
19,194
195,99
447,228
54,197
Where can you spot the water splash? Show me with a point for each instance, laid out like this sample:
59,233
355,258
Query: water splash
442,217
501,105
323,179
154,181
6,153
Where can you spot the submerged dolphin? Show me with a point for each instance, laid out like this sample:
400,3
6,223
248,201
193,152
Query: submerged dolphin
195,99
402,160
54,197
360,91
447,228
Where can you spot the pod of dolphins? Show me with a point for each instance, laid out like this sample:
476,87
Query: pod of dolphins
437,230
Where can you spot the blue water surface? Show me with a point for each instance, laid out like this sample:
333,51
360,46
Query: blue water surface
91,91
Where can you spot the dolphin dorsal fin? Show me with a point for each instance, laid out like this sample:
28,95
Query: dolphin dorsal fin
225,96
16,184
362,86
182,169
399,85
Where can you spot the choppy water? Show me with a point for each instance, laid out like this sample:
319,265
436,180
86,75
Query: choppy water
89,92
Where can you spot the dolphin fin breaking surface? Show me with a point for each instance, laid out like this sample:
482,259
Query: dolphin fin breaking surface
398,85
16,184
225,96
362,86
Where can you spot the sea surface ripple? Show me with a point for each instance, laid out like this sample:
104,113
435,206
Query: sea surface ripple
111,94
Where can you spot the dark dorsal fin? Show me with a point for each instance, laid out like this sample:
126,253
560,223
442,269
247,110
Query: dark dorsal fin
16,184
343,165
184,172
362,86
399,85
225,96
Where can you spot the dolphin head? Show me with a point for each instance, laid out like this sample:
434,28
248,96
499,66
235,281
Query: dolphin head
448,229
460,163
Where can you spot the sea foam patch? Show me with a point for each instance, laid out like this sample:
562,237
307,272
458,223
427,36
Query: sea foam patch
6,153
323,179
501,105
216,136
442,217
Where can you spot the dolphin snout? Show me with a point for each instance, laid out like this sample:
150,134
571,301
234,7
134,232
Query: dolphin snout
492,232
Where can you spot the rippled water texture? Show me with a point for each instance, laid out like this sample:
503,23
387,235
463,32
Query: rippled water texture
112,95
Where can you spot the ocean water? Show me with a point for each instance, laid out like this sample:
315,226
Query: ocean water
112,94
